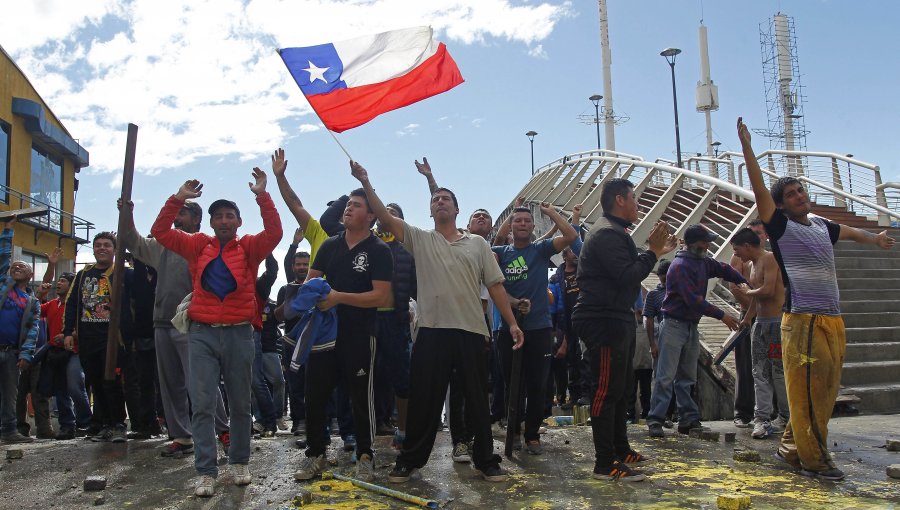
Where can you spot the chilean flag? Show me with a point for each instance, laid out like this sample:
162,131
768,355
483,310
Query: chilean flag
349,83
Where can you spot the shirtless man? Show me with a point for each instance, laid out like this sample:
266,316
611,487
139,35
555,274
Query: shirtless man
743,391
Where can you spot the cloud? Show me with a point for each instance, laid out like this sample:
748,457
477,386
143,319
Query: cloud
202,79
538,52
409,129
477,122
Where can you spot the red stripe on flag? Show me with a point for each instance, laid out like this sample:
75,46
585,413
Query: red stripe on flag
343,109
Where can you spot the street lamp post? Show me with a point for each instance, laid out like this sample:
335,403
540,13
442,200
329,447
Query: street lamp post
531,135
850,180
596,100
715,145
670,54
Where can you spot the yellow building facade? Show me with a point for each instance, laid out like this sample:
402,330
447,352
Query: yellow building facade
39,164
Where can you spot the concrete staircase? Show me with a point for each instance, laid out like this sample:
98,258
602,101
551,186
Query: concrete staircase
869,281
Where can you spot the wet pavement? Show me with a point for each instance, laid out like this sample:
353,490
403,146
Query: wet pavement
685,473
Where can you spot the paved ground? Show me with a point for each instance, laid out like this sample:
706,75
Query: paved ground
686,473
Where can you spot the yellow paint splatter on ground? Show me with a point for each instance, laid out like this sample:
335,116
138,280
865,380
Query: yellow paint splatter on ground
341,495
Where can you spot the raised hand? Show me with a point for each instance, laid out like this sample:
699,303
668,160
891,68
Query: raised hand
119,204
546,208
298,235
660,242
279,164
520,201
576,214
424,168
743,132
260,177
190,189
54,257
357,171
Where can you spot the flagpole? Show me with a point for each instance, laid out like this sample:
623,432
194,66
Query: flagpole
330,132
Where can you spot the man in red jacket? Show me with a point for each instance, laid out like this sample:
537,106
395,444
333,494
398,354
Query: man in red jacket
223,272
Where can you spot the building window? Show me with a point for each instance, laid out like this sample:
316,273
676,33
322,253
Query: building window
40,264
46,184
4,160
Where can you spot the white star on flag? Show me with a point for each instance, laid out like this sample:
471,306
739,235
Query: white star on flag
316,73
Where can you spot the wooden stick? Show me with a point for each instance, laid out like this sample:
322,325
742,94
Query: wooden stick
117,286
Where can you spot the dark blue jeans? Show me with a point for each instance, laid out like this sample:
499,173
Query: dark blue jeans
264,409
391,363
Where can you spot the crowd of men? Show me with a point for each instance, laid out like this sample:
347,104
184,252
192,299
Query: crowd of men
382,322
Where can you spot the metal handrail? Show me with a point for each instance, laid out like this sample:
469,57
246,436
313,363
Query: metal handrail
44,222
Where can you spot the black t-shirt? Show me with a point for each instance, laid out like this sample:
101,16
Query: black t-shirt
286,293
270,332
353,270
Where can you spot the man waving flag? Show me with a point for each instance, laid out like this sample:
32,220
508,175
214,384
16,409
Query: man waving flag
349,83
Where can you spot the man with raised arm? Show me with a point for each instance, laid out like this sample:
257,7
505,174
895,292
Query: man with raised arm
451,265
763,316
223,271
610,273
172,361
525,265
813,339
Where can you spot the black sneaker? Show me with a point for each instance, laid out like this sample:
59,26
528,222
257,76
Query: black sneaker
686,429
65,434
82,431
400,473
635,459
16,437
833,474
655,430
583,401
384,429
118,434
138,435
493,473
103,436
176,449
618,471
94,430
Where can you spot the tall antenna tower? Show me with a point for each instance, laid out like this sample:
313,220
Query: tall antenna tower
784,91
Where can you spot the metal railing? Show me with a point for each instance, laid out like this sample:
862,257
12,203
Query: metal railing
56,220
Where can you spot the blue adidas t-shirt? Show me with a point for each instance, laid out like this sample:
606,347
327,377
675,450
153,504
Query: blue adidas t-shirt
526,277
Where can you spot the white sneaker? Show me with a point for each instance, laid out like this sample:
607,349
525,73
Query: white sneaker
778,424
365,468
240,473
206,486
282,425
311,467
761,429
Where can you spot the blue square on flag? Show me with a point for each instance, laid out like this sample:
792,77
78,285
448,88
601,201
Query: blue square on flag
316,69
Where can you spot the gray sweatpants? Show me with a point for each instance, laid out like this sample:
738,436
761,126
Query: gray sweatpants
768,370
174,374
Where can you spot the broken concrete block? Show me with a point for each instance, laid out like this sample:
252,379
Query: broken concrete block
893,470
746,455
733,502
304,497
95,483
709,435
730,437
14,453
99,501
893,445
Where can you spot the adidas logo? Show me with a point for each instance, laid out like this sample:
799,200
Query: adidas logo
517,269
361,373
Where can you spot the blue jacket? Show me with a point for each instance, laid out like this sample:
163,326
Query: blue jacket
31,317
316,330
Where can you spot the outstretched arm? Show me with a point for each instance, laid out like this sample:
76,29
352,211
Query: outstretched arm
425,169
387,220
882,240
503,231
52,259
765,205
279,167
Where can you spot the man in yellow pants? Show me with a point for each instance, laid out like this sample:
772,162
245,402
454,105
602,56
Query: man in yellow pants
812,330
